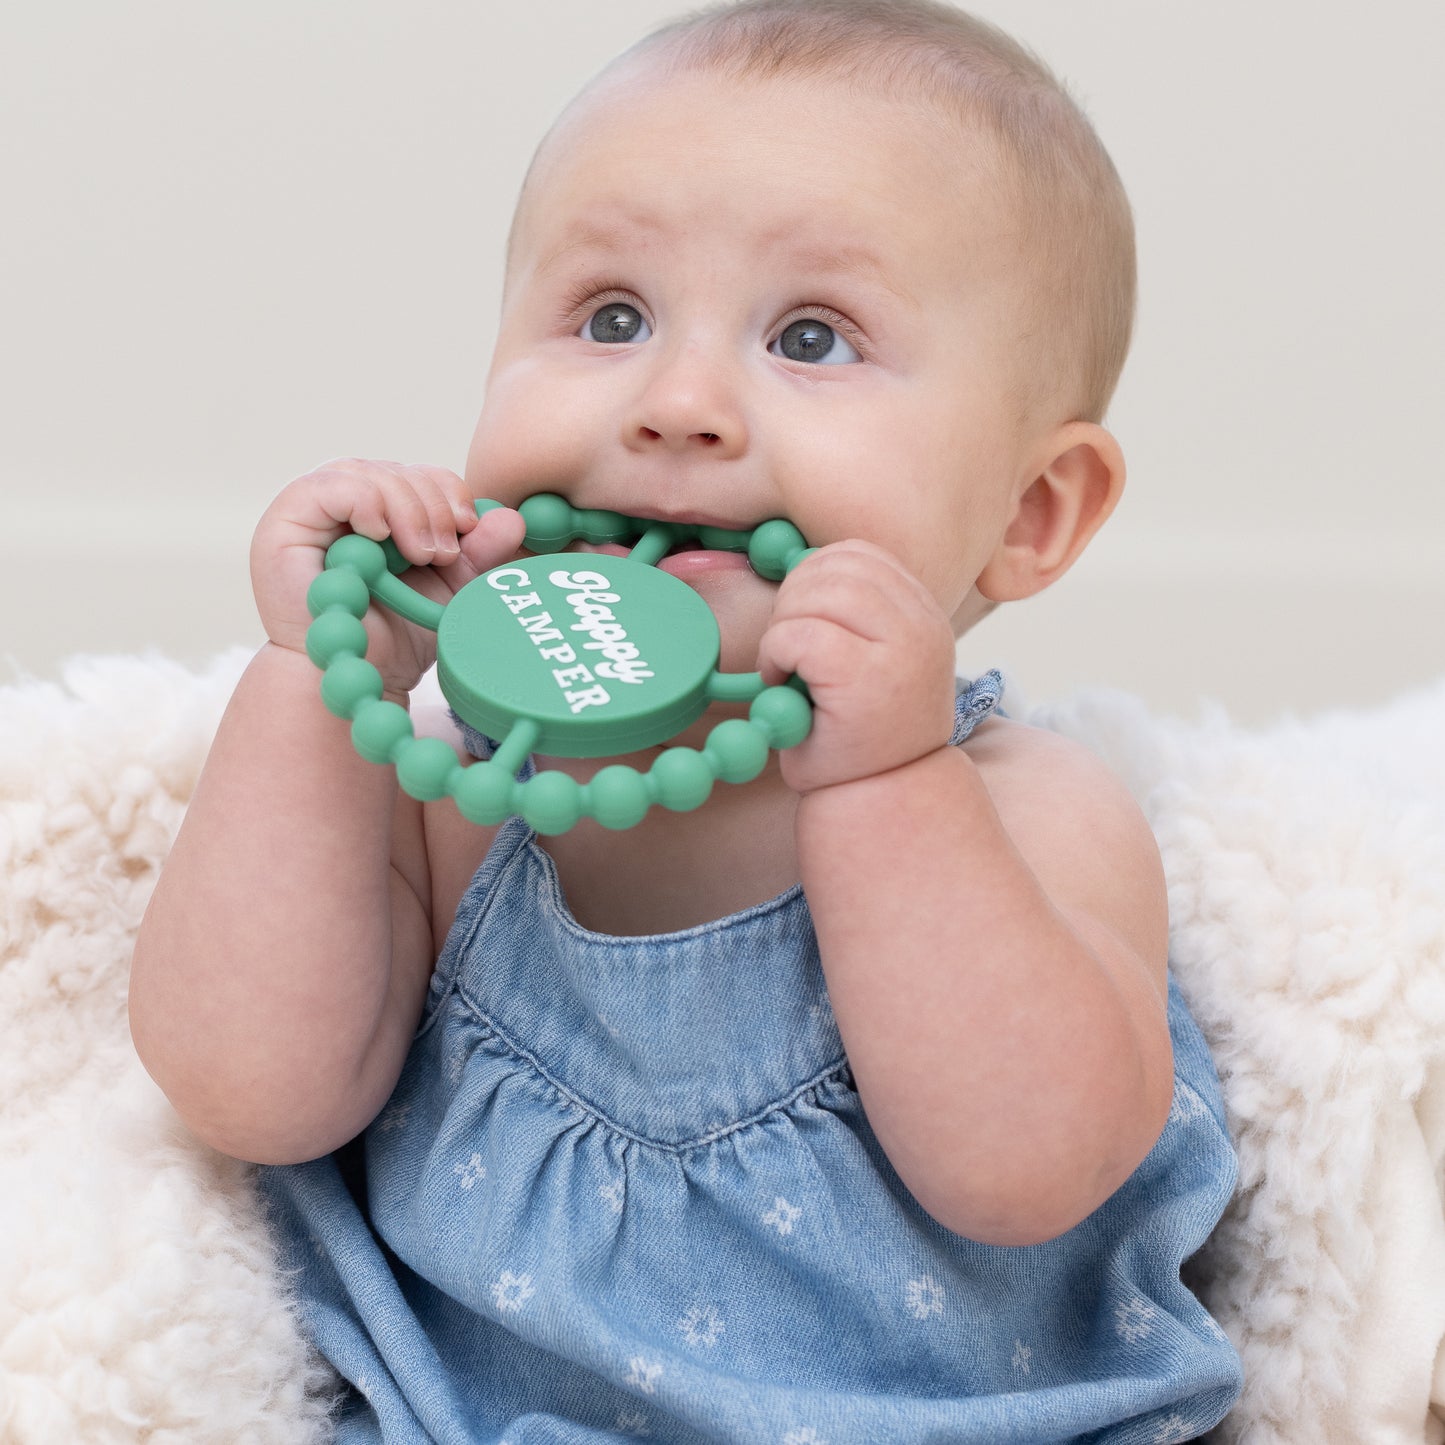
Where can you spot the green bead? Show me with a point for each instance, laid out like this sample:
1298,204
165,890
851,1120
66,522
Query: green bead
784,716
549,520
484,793
682,779
598,525
361,554
618,796
347,683
723,539
335,633
774,547
377,728
340,587
737,750
424,767
550,802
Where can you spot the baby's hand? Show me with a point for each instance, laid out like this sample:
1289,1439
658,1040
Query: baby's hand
428,512
876,651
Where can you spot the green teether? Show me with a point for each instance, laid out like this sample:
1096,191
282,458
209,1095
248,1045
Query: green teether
584,656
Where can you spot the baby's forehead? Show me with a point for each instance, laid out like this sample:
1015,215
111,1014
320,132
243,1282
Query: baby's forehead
638,131
787,94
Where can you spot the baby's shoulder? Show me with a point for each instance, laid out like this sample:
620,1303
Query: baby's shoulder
1032,761
1073,820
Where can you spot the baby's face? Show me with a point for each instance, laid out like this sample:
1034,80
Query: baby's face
730,301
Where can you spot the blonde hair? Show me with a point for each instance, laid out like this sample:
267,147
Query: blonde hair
1075,217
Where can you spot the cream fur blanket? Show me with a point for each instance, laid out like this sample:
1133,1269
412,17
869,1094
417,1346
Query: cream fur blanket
138,1300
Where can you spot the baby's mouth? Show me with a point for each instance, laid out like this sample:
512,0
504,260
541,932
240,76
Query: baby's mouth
685,549
685,558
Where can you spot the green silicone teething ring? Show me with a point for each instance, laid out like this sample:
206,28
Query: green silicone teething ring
645,676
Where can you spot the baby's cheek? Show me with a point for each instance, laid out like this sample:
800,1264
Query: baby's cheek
527,439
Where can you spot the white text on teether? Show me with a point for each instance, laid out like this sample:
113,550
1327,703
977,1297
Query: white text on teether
588,598
589,601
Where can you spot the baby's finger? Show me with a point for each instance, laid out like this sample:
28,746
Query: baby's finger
428,535
855,597
494,539
866,559
441,519
371,499
358,502
463,513
820,651
402,518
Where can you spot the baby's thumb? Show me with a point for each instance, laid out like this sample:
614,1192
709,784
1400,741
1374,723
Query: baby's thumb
495,539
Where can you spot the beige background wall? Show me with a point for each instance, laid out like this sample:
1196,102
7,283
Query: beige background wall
240,238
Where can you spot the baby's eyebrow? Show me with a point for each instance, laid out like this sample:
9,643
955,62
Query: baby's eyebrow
610,235
849,260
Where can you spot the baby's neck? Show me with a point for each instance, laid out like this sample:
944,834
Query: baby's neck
676,870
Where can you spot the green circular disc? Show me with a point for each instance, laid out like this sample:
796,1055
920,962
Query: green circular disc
606,655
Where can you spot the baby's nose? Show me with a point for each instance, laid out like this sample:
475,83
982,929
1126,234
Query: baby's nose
690,403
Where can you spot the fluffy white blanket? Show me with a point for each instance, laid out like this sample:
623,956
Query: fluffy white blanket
138,1298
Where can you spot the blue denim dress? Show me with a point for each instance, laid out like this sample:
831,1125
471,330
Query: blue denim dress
625,1190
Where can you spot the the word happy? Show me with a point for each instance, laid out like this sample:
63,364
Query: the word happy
590,597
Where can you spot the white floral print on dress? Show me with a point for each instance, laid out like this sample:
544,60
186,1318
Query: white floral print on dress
643,1374
1134,1319
782,1216
806,1435
634,1423
1186,1105
395,1118
1022,1356
471,1173
1173,1431
701,1325
924,1297
512,1291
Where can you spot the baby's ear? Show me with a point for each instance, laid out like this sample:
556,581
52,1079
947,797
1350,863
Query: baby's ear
1057,512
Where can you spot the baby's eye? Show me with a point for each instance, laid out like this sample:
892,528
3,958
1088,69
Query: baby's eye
616,321
810,340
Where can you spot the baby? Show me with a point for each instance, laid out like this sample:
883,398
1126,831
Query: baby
857,1105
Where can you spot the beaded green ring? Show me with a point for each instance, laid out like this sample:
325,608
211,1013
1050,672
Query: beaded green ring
647,670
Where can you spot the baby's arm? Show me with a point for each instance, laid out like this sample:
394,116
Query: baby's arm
992,920
283,961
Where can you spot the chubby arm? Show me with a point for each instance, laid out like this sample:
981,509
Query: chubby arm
283,961
992,919
993,928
